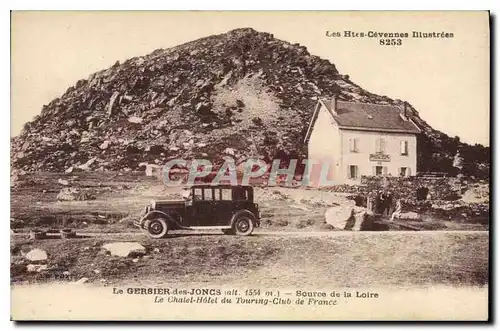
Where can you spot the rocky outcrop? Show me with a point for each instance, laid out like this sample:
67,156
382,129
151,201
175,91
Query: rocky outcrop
349,217
36,255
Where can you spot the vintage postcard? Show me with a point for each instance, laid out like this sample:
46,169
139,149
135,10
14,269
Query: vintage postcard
251,166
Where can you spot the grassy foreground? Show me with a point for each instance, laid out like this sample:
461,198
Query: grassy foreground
355,259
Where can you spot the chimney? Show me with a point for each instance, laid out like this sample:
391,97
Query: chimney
333,104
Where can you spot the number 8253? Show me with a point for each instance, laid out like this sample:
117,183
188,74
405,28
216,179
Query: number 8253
391,42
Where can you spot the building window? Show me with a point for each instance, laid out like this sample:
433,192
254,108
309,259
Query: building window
379,171
404,172
353,171
404,147
380,145
353,145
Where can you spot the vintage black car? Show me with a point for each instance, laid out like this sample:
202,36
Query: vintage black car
228,208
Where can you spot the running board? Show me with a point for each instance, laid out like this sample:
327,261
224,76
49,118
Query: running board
217,227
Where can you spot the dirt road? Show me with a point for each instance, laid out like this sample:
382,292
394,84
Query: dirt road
114,200
267,233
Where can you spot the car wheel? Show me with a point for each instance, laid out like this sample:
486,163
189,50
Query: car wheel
228,231
157,227
243,225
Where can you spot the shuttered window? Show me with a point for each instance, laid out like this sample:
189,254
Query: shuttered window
353,145
379,171
352,171
380,145
404,172
404,147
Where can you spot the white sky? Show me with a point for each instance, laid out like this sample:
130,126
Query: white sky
446,80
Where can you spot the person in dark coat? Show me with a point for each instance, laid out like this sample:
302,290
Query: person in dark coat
378,202
422,193
388,203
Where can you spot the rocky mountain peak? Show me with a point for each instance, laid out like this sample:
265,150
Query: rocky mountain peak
243,90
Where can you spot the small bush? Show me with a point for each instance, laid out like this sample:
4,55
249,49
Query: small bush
305,223
326,226
280,222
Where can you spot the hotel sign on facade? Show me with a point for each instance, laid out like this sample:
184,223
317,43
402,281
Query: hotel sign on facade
380,157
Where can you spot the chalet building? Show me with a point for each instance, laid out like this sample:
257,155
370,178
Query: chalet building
360,139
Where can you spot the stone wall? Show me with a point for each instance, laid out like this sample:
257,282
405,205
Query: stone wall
405,188
445,195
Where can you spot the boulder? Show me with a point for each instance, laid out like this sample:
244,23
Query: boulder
87,164
74,194
36,255
36,267
112,103
203,108
125,249
135,119
363,221
345,216
68,194
14,179
410,216
104,145
63,182
229,151
153,170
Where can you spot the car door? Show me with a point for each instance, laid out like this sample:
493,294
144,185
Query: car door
204,213
224,205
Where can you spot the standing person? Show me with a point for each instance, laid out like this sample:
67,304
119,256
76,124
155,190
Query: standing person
388,203
383,201
398,210
369,201
378,202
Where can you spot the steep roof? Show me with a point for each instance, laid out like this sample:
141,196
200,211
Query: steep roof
371,117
